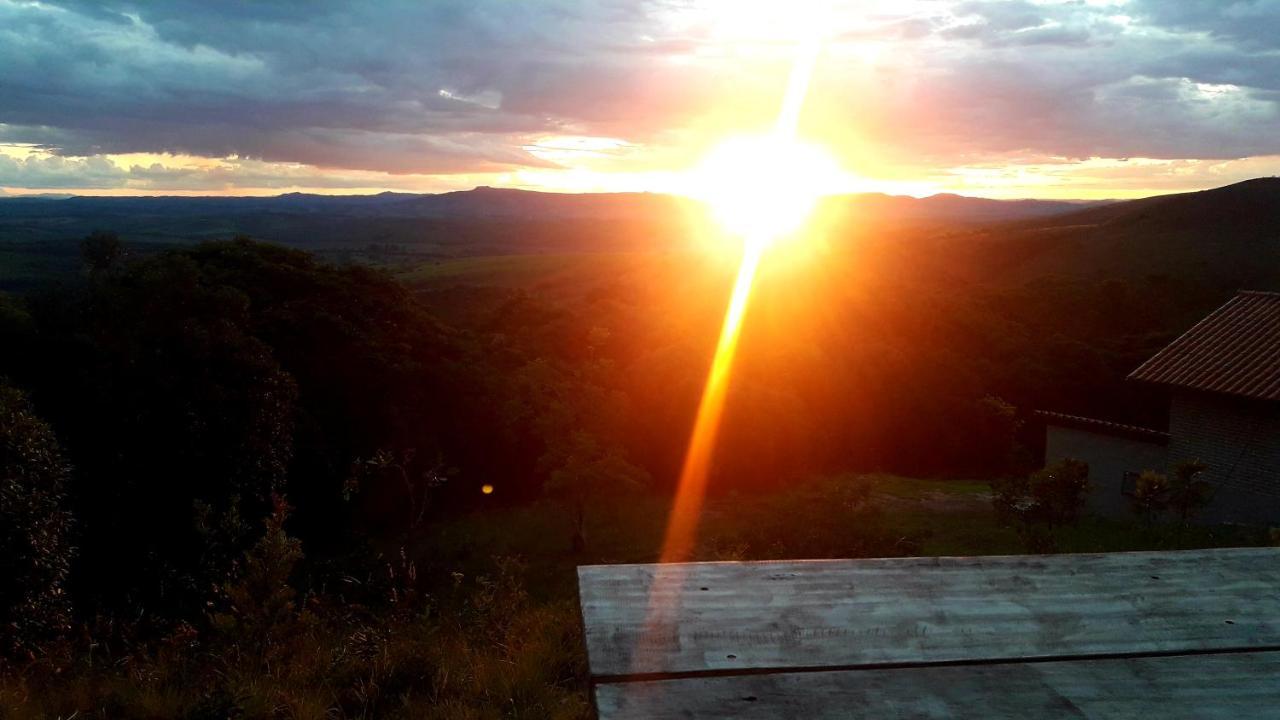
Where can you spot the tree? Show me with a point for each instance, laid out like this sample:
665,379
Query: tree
192,384
993,435
260,603
179,421
1043,501
588,472
102,252
35,547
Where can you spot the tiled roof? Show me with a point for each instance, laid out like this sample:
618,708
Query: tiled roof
1235,350
1104,427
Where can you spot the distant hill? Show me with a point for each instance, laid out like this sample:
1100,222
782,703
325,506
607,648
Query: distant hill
1252,205
396,227
947,207
482,202
488,202
1229,235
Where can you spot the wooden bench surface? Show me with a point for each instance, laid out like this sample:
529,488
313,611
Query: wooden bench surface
685,639
1203,687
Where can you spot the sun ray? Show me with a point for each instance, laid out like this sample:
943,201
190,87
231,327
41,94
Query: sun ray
665,593
798,85
683,523
763,226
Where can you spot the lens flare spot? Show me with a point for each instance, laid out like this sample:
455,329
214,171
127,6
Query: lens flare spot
487,489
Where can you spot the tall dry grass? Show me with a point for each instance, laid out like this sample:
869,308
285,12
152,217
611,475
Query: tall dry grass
480,649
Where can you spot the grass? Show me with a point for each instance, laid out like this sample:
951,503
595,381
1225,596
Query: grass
488,653
832,517
496,633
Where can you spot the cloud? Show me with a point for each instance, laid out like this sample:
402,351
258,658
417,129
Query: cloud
56,172
401,90
43,171
337,85
1063,79
1250,24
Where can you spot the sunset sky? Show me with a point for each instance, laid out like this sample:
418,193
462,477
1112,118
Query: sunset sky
1079,99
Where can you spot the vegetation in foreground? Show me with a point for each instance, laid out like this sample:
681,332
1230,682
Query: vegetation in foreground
241,482
492,629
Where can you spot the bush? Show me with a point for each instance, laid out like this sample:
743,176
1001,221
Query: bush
35,549
1184,494
1042,501
260,604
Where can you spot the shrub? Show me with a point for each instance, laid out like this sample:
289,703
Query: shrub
1184,494
260,603
1042,501
35,549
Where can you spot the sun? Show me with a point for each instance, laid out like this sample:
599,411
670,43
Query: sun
762,188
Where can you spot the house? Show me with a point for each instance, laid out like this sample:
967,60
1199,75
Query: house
1223,377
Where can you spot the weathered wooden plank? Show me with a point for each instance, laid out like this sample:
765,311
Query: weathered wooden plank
683,618
1204,687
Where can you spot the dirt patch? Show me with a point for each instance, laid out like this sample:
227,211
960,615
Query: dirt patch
937,502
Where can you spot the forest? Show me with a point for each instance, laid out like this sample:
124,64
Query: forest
248,480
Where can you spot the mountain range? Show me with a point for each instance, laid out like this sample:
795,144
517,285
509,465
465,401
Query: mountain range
1229,234
499,203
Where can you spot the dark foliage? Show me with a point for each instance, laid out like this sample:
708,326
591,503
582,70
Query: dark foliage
1043,501
192,386
35,543
1182,494
180,421
102,252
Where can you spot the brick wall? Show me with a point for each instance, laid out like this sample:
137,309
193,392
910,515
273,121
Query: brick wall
1240,442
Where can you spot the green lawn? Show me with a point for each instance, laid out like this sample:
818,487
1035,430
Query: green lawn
844,516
